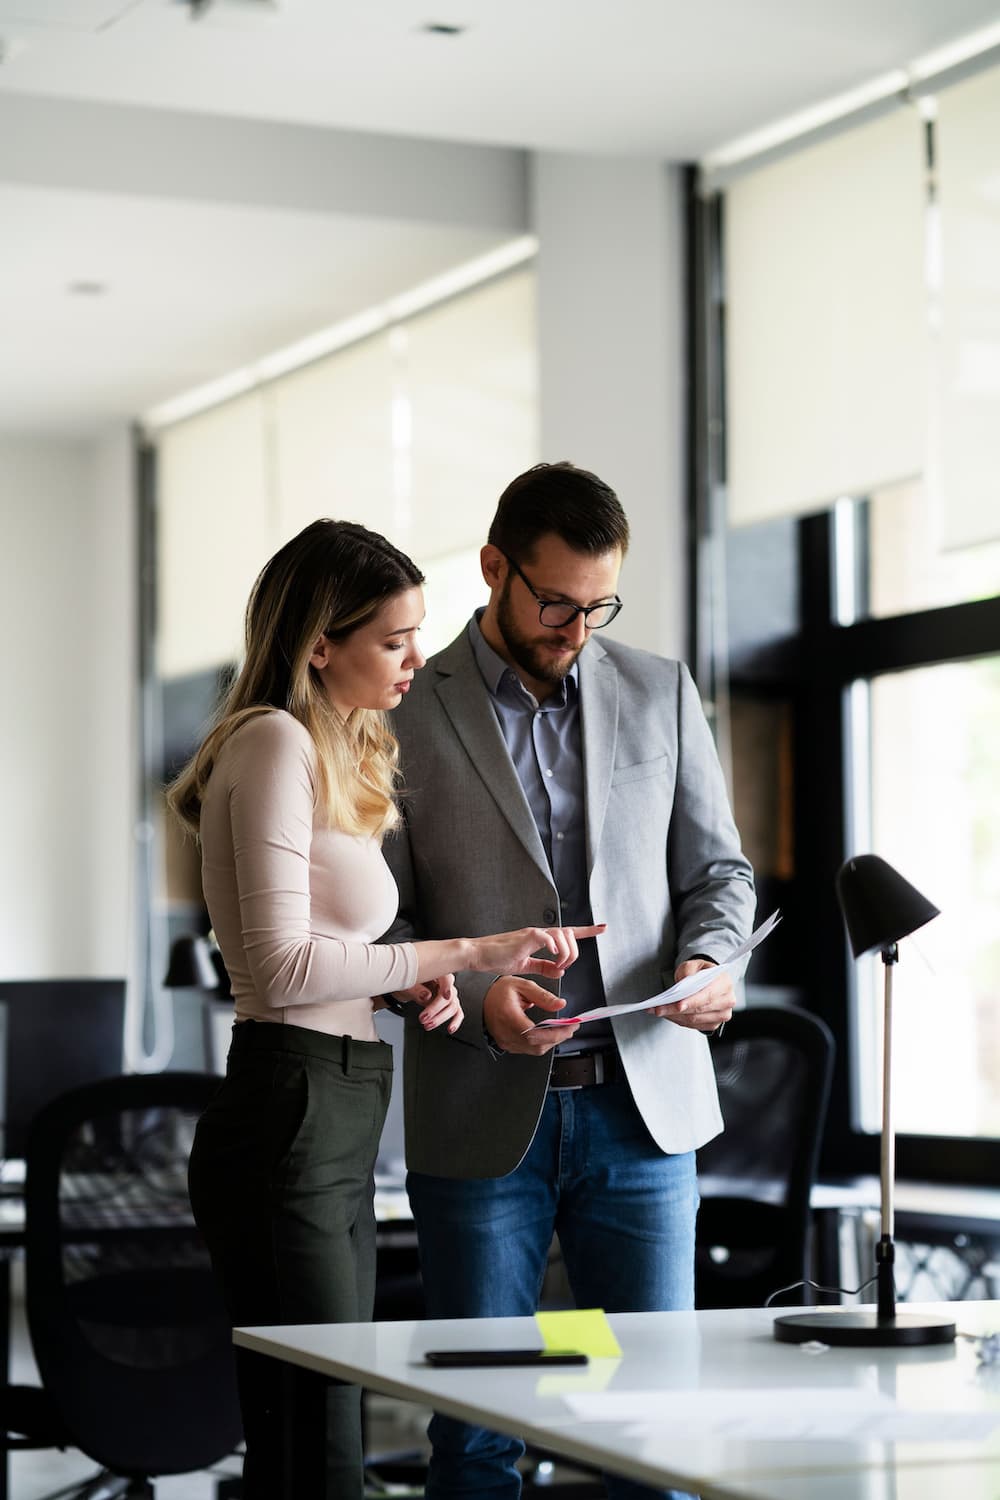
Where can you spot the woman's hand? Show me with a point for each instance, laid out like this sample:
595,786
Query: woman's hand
511,952
443,1008
438,1001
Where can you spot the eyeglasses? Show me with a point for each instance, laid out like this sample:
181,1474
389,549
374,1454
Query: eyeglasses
556,614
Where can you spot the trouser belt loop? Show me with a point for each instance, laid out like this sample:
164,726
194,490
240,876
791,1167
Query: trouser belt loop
345,1054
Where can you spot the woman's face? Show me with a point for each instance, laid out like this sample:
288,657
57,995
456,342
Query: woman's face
374,666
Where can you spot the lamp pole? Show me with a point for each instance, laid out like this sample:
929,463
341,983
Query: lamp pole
885,1254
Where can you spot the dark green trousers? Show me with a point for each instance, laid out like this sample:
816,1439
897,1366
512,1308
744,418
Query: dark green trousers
281,1186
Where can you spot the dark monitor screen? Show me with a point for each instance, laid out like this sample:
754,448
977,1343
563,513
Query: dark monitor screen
55,1034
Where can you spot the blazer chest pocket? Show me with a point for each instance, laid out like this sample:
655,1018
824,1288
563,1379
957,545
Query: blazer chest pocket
642,771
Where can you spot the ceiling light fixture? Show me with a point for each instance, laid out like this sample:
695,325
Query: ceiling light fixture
87,288
442,28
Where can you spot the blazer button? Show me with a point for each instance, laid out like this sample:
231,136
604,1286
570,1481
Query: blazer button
549,914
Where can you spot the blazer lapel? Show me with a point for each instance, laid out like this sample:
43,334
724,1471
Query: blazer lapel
599,727
464,698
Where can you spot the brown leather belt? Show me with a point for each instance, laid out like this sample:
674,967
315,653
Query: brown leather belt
581,1070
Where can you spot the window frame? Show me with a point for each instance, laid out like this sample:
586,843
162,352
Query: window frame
814,669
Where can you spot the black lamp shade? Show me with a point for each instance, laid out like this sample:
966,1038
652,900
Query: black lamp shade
191,966
879,906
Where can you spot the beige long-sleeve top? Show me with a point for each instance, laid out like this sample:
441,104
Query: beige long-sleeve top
296,905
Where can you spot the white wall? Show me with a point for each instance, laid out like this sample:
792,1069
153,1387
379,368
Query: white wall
113,738
66,624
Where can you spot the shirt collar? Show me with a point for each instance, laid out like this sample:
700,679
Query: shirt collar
498,675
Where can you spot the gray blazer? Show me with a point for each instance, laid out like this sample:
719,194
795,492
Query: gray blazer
666,874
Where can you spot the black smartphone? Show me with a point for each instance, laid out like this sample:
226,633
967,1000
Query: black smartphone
467,1358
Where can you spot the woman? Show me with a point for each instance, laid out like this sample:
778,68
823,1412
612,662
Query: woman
290,794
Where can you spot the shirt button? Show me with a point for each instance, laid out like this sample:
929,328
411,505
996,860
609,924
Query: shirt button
548,772
560,836
549,914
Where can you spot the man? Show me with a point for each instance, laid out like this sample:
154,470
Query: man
552,778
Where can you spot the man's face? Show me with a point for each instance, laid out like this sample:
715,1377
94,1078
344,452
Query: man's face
556,572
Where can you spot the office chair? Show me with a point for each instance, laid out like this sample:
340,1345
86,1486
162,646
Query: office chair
773,1066
129,1333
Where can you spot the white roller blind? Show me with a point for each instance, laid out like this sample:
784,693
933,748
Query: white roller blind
968,351
215,532
826,322
332,440
454,589
414,432
471,381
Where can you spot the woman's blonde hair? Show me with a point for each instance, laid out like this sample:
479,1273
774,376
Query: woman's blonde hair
329,580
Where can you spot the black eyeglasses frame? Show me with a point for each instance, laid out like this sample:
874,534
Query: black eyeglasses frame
569,610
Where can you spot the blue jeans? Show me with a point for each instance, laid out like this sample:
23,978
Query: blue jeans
625,1216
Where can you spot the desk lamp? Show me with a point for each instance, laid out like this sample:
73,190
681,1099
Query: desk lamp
879,908
190,966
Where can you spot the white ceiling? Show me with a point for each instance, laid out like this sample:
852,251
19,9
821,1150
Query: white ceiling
669,77
194,288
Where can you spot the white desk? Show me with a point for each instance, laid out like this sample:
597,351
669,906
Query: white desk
708,1352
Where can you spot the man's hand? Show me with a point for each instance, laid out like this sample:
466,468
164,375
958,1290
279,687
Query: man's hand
505,1017
709,1008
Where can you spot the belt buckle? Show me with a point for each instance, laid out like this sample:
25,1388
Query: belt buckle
565,1088
597,1061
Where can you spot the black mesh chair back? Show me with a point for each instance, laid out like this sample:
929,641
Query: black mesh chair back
128,1328
773,1066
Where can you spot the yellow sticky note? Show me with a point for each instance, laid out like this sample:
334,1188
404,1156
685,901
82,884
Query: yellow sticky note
585,1331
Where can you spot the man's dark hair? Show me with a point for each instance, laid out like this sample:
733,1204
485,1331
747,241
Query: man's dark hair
558,498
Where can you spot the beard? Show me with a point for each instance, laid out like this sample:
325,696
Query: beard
530,655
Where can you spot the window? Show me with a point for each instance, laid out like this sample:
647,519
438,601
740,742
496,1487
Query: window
934,757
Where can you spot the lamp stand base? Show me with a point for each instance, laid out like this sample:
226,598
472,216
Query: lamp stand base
860,1329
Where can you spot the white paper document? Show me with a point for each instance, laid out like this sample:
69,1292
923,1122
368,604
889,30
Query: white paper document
684,987
847,1414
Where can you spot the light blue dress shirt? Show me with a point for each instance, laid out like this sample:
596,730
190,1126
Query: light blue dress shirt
545,745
